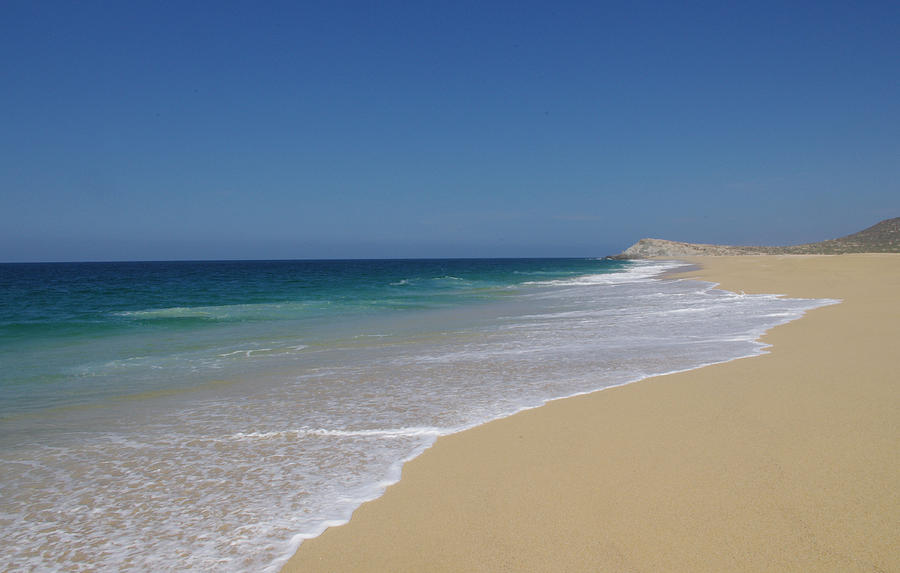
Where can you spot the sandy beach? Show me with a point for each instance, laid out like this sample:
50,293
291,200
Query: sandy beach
788,461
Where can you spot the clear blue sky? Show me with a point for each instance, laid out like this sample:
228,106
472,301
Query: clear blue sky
196,130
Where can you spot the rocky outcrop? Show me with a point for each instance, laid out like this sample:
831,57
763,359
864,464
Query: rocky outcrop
648,248
883,237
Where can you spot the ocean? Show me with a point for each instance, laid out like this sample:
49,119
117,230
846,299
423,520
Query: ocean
209,416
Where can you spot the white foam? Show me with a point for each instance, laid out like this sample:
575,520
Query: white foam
637,271
374,433
173,312
219,312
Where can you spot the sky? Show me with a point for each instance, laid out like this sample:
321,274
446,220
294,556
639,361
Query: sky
267,130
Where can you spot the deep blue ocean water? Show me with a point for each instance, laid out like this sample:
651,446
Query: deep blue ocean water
211,415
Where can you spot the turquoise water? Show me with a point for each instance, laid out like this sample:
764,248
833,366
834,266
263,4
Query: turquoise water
65,329
209,416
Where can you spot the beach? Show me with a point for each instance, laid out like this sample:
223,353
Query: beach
240,407
786,461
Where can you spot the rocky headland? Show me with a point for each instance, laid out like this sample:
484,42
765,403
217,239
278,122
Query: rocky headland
883,237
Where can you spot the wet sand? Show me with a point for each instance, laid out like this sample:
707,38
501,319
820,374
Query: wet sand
789,461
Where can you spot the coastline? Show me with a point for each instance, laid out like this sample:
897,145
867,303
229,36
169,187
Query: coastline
783,461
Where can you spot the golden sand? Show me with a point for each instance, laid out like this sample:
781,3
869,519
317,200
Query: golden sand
789,461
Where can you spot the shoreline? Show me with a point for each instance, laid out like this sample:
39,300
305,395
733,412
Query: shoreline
627,478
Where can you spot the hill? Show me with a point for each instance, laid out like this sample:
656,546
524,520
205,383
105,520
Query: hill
883,237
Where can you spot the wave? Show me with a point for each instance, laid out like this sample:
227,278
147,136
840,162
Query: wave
375,433
232,312
174,312
638,271
440,281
